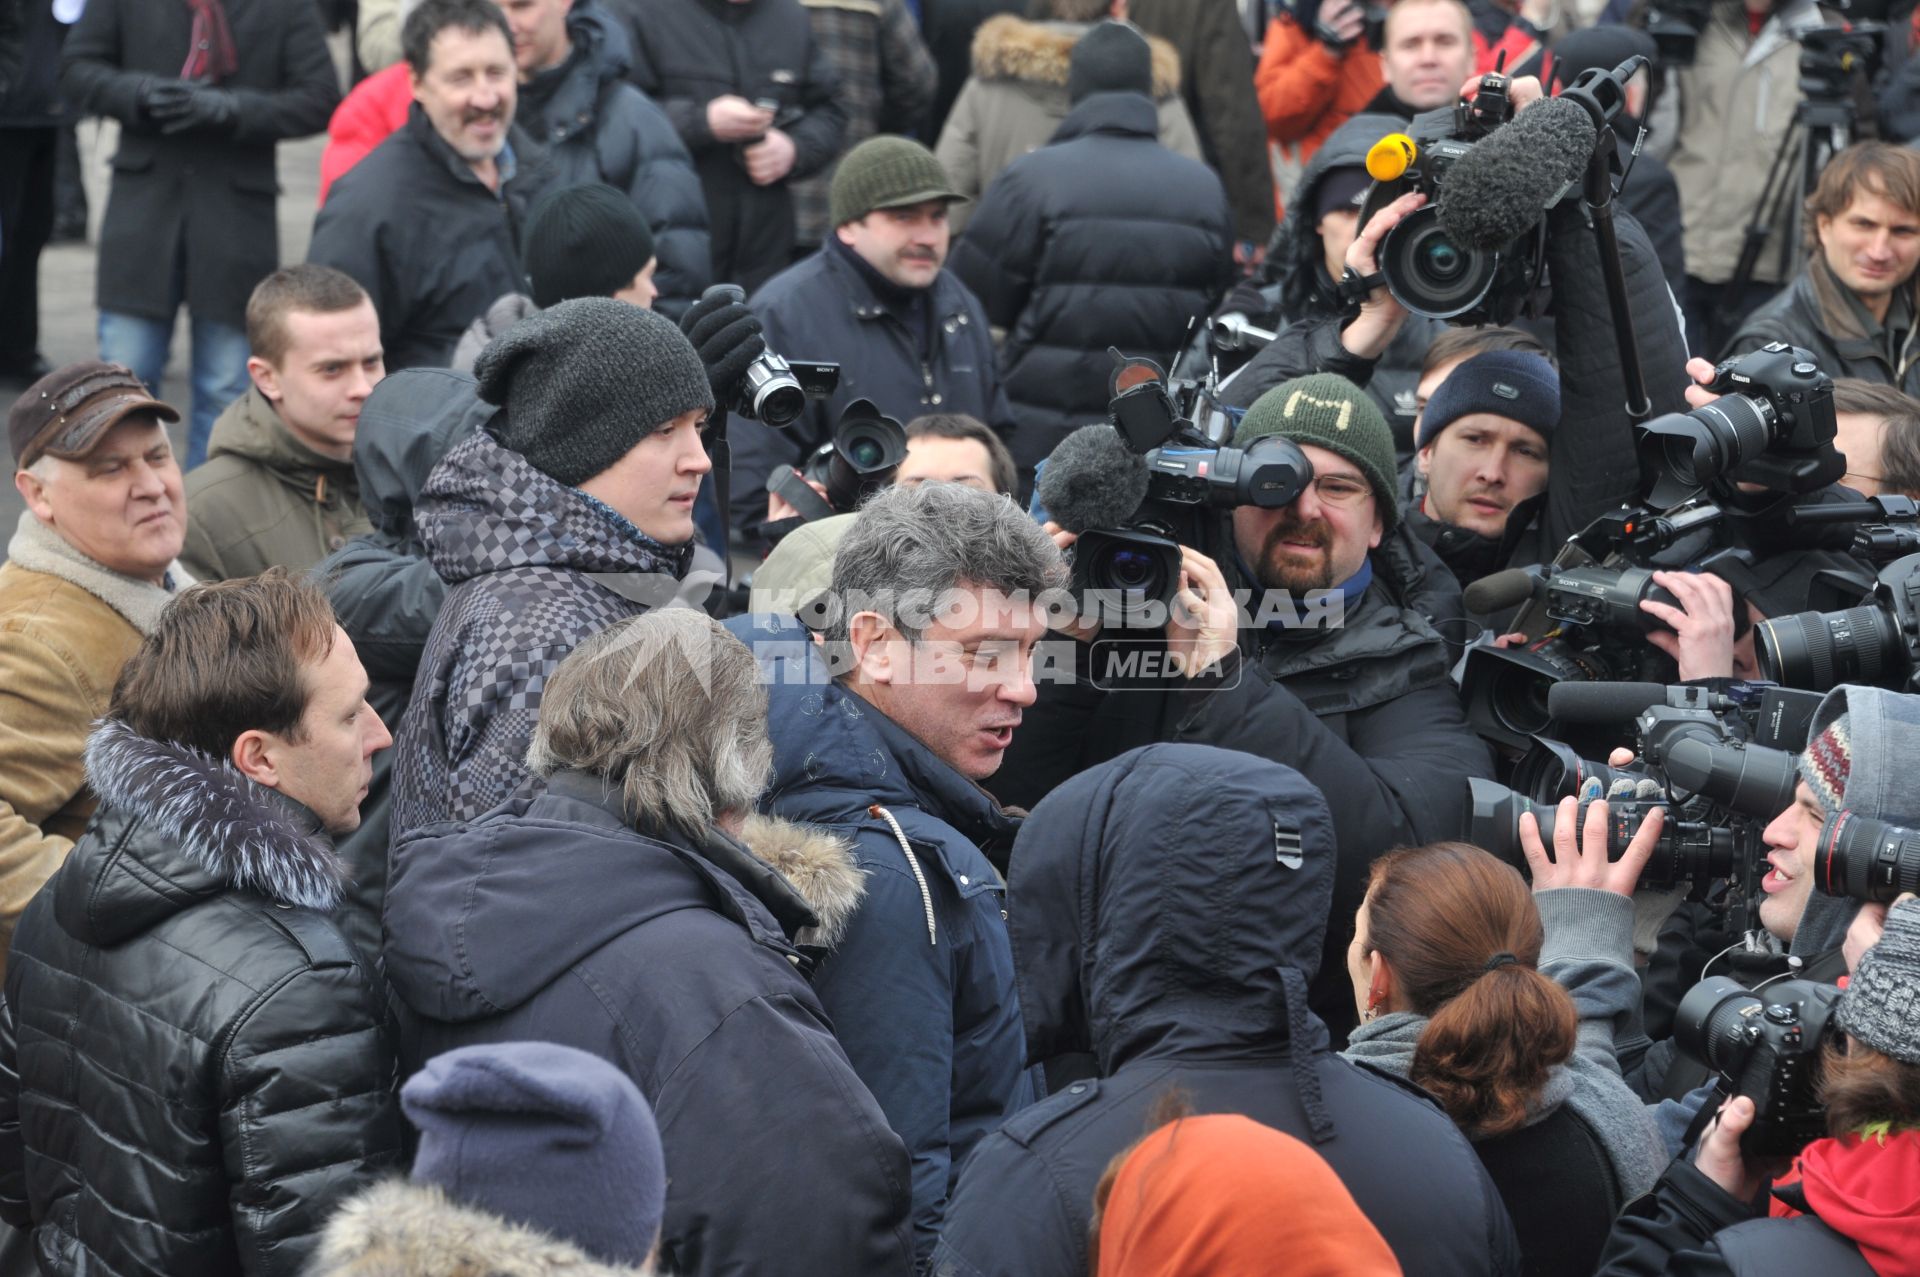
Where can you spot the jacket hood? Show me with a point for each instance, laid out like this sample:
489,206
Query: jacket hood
1010,48
1867,1189
401,1229
1172,902
463,899
1295,253
410,421
1122,114
251,430
216,831
486,509
567,97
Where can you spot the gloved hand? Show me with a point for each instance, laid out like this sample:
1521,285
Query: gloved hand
1245,299
727,336
178,106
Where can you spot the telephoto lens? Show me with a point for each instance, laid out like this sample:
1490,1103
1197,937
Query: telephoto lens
1866,859
1818,651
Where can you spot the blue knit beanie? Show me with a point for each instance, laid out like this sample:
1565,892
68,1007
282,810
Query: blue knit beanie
545,1136
1513,384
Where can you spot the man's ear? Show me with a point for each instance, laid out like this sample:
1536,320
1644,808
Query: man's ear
870,636
254,756
1379,528
265,376
1423,460
33,490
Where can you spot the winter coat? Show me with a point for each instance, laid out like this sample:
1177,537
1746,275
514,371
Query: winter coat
372,112
376,32
1737,101
1101,238
386,594
535,567
1016,100
67,625
827,307
1307,91
12,41
598,128
429,242
920,985
198,202
949,27
887,82
672,965
402,1229
689,52
264,499
1819,313
195,1066
1216,80
30,92
1186,972
1589,1145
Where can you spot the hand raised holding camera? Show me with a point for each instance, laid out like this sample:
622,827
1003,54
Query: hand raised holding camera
1701,640
1380,315
1586,865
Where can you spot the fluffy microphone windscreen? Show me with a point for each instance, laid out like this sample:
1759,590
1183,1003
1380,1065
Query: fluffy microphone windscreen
1093,480
1497,190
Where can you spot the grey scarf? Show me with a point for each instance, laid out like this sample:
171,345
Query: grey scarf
1388,1043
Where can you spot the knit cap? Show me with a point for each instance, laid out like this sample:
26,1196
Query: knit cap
546,1136
1514,384
886,171
1111,58
1881,1006
584,382
1330,412
1826,762
583,241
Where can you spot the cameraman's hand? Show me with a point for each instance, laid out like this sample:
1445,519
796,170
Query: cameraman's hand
731,118
1587,865
1380,315
727,337
1719,1157
1523,92
1083,629
770,159
1701,370
1205,625
1702,637
1340,23
1869,924
778,507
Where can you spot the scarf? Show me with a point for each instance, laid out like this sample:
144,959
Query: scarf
1847,320
210,53
1388,1042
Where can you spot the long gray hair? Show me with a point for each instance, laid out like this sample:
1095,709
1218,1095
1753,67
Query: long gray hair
668,706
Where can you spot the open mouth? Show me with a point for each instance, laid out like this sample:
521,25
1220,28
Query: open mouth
1776,878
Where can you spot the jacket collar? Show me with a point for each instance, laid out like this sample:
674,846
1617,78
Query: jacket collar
567,97
518,144
1007,47
1120,114
252,430
1851,328
249,837
38,548
944,295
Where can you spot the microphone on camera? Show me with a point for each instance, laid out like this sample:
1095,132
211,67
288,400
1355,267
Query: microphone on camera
1498,591
1093,480
1603,702
1497,191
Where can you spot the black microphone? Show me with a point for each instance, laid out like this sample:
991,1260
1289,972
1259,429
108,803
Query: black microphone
1093,480
1603,702
1497,191
1498,591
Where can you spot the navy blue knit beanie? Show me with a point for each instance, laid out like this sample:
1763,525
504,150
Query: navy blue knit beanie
1513,384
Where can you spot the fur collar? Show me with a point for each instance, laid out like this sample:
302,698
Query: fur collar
402,1229
38,548
1009,48
816,863
248,836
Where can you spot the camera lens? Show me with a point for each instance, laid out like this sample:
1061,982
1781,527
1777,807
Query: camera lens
1430,274
865,453
1133,572
1818,651
1441,260
1712,1023
1866,859
1698,447
780,402
1550,771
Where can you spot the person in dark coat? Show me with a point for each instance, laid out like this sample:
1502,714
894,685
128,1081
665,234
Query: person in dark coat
202,93
636,910
920,987
32,117
1187,972
429,223
876,299
757,102
574,97
195,1064
949,27
1100,238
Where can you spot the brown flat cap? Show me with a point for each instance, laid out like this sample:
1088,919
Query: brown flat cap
69,411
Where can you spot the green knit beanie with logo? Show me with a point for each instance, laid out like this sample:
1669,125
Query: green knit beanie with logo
886,172
1330,412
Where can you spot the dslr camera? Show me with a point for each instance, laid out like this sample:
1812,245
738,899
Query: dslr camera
1766,1046
1876,643
1772,425
862,457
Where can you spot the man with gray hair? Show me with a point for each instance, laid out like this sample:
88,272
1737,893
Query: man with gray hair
881,732
637,909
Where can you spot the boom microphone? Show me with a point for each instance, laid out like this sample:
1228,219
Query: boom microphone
1498,591
1497,191
1603,702
1093,480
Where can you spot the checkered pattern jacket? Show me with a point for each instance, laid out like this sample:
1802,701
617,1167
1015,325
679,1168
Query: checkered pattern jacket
523,555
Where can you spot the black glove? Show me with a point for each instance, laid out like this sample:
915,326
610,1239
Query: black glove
1245,299
727,336
178,107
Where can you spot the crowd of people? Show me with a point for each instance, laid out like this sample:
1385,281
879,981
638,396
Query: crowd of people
885,637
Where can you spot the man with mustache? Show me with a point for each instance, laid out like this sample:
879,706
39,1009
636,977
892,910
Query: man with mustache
428,223
878,300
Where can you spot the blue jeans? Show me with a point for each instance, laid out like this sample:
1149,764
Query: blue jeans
219,366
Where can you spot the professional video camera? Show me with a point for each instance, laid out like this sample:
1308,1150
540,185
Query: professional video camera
775,390
862,457
1876,643
1765,1045
1866,859
1675,26
1688,850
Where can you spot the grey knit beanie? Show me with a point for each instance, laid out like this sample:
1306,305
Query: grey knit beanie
1881,1006
584,382
1114,57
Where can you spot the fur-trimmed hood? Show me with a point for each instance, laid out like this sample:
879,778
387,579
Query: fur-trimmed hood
402,1229
239,834
1010,48
818,864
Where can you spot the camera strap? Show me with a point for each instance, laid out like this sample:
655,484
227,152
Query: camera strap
1354,288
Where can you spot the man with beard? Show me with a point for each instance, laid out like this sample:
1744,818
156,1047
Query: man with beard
427,224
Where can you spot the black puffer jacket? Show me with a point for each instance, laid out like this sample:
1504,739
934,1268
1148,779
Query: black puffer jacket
599,128
687,53
1184,971
1101,238
195,1065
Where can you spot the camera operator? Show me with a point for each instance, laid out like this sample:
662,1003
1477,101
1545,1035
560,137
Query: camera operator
1847,1206
1854,303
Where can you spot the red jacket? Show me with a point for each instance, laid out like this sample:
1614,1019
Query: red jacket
1868,1191
376,108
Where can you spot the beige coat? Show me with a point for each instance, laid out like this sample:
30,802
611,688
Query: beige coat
1017,96
67,625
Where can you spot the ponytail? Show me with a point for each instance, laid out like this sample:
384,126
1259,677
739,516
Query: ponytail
1486,1054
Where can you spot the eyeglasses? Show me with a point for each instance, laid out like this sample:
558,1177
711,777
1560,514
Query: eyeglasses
1340,489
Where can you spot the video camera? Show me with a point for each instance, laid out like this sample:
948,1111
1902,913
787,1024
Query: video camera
774,390
1765,1045
1307,14
1675,26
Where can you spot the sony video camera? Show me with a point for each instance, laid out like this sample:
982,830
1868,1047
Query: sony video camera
1765,1045
774,390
